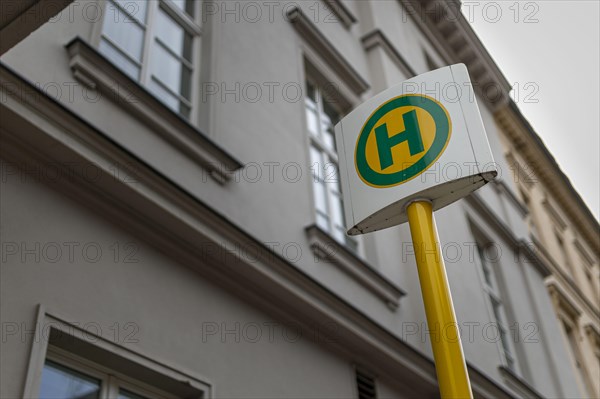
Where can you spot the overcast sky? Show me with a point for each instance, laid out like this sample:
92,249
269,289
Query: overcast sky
551,50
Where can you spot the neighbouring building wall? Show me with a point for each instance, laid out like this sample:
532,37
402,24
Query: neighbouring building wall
564,232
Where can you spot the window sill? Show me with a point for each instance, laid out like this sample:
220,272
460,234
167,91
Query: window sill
96,72
328,249
517,384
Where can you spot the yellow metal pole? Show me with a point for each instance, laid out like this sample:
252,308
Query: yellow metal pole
450,365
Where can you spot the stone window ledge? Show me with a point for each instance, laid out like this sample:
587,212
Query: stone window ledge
329,250
96,72
518,384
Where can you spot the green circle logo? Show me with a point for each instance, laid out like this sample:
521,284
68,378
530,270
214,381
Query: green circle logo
401,139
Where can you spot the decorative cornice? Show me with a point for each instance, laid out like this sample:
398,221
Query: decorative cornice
562,300
532,150
525,248
37,130
329,250
316,40
501,186
583,252
520,174
342,12
454,39
377,38
554,214
593,332
521,246
564,279
95,71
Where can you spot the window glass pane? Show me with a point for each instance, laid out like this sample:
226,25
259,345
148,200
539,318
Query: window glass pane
185,88
122,31
311,122
335,204
333,115
316,164
123,394
311,92
173,35
319,194
169,99
117,58
328,137
484,265
170,71
185,5
62,382
351,243
135,8
339,235
332,177
323,222
310,104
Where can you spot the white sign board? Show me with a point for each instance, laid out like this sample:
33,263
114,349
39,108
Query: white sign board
421,139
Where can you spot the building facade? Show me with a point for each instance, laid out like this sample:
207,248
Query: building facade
172,220
565,235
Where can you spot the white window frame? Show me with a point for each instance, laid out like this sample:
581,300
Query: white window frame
43,349
111,382
491,289
188,22
317,142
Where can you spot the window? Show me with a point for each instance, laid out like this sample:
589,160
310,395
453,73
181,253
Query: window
566,261
153,42
67,376
572,334
497,312
61,382
530,217
321,116
70,362
588,268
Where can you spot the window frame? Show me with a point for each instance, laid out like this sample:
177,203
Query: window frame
51,326
189,23
56,357
317,142
493,294
572,335
111,382
565,257
531,221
